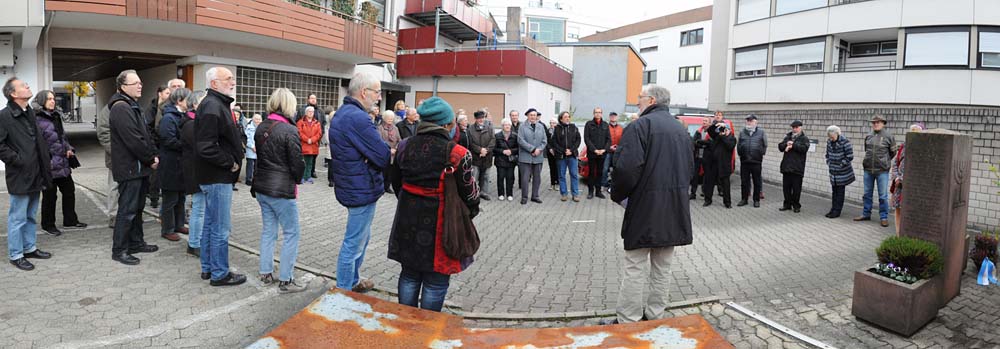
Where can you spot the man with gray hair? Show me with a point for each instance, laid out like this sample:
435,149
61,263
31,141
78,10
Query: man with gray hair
175,84
359,157
219,149
653,167
408,126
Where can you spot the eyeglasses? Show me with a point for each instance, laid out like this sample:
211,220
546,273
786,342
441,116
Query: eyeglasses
229,79
374,90
643,96
134,83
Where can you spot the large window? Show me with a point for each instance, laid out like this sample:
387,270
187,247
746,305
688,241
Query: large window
547,30
789,6
751,62
936,48
989,49
750,10
692,37
688,74
648,45
649,77
866,49
798,57
256,86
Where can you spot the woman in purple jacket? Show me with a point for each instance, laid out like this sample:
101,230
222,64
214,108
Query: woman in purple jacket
50,123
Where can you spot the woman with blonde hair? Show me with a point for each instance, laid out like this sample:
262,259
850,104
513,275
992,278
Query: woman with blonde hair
280,167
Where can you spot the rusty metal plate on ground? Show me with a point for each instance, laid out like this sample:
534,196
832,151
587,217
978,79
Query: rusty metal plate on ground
340,319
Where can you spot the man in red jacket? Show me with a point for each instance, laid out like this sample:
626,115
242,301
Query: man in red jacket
616,136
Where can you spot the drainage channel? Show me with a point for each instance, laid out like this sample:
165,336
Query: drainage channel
771,323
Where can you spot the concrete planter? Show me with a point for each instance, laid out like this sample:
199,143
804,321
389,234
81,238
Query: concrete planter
893,305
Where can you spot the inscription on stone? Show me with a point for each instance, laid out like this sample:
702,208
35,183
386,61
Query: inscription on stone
926,167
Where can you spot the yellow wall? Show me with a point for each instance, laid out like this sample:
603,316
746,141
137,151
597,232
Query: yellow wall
633,82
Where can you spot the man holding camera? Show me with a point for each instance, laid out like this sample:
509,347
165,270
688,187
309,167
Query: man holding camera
717,173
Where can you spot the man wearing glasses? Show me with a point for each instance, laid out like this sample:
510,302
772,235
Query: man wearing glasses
220,152
359,156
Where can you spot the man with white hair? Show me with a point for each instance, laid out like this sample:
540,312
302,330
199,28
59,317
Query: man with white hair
359,157
653,167
175,84
219,149
408,126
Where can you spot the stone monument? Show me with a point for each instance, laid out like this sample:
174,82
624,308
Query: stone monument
936,198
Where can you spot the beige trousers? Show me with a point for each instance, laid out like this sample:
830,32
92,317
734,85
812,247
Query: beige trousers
635,299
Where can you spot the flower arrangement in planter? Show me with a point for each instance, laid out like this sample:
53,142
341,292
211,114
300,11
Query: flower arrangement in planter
983,247
902,292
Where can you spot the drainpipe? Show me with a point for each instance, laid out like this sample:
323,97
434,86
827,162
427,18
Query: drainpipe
437,38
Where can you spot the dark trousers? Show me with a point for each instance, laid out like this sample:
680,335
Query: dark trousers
530,174
505,181
68,190
595,169
838,199
329,170
553,170
128,222
153,187
750,173
696,177
172,212
251,163
722,184
708,182
792,185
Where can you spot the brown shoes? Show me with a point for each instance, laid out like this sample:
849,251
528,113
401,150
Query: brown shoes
363,286
183,230
576,199
885,223
862,218
171,237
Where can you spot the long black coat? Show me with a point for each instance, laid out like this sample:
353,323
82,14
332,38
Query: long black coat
653,167
24,151
506,144
722,152
171,149
794,160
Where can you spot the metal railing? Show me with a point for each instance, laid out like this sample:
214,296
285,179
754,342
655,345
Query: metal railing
498,47
314,5
862,66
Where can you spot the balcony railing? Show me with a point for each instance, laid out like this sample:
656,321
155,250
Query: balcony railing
862,66
507,60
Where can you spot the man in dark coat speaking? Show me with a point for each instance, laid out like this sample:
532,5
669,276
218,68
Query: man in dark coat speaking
652,174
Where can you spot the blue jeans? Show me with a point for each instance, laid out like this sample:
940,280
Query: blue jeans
215,250
883,194
21,225
285,212
197,222
429,287
251,163
608,159
352,251
570,164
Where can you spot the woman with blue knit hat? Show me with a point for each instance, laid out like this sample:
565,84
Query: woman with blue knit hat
419,184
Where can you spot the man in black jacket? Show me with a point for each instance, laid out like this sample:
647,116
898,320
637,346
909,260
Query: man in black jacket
653,167
133,159
597,137
700,140
723,144
408,126
26,155
751,148
793,166
220,153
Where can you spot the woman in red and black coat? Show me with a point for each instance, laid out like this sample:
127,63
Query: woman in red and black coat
418,179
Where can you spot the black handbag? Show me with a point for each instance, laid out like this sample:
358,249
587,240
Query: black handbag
74,162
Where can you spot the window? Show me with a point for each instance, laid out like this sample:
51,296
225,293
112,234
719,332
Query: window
924,48
534,27
558,105
750,10
888,48
692,37
789,6
798,57
751,62
989,49
648,45
649,77
689,74
546,30
865,49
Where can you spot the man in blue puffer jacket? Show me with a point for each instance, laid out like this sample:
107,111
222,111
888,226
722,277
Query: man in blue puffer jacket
358,158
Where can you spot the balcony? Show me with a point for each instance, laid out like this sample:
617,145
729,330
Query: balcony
323,28
511,61
459,21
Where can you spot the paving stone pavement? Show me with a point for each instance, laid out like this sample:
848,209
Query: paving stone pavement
796,269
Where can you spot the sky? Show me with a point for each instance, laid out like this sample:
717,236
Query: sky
618,12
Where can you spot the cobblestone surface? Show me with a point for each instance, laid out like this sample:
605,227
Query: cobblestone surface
796,269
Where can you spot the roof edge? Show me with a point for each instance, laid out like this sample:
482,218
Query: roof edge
672,20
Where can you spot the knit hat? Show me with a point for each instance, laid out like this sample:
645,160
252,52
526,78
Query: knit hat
435,110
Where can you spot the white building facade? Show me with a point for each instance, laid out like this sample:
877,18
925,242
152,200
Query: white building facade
829,62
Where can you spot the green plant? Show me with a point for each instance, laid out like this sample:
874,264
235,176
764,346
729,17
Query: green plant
996,175
921,258
369,12
985,246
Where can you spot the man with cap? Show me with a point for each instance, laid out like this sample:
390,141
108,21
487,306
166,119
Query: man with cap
482,141
531,142
879,150
751,148
795,145
358,157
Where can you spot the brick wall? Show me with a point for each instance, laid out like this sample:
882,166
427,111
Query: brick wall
983,124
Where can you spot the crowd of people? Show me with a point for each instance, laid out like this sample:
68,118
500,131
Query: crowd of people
194,143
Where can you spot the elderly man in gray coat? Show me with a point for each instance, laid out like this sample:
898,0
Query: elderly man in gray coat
531,141
653,167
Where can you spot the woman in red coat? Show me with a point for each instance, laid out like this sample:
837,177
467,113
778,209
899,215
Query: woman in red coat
310,133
